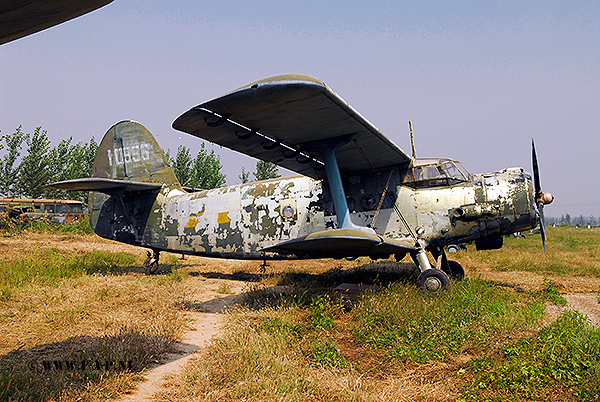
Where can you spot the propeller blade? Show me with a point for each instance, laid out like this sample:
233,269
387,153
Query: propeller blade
539,195
542,224
536,172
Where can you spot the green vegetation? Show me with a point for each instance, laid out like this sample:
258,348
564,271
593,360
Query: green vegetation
202,172
294,339
561,362
49,267
488,341
24,175
265,170
72,326
415,327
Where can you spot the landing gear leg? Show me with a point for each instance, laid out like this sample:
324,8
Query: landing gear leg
151,263
452,268
431,280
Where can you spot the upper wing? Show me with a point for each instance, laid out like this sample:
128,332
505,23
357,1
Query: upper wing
273,118
22,18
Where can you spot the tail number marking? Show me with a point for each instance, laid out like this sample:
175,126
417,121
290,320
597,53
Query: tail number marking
134,153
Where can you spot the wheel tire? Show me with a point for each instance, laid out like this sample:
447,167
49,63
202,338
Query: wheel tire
455,271
150,266
433,281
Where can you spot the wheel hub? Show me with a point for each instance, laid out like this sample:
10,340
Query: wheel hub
433,284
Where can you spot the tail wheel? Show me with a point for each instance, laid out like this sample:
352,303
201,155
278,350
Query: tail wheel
151,263
433,281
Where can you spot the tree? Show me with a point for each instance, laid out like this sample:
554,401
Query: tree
206,170
58,163
9,174
68,162
266,170
34,169
182,165
244,176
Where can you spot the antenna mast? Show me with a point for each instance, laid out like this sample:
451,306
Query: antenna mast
412,140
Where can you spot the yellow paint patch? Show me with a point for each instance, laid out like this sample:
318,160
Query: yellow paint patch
192,223
223,218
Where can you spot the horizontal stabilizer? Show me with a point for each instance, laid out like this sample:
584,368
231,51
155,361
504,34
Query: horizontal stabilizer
342,243
102,185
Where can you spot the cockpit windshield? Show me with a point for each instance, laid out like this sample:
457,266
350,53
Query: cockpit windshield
435,173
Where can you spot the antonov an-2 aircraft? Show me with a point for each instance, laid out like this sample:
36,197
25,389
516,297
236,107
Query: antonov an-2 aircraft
356,192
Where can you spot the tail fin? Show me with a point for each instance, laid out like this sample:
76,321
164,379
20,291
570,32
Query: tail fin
129,152
130,170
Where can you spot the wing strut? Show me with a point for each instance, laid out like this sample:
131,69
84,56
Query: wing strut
327,149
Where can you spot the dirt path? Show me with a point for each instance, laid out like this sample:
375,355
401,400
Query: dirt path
205,326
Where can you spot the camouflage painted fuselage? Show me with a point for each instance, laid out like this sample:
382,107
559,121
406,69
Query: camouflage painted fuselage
239,221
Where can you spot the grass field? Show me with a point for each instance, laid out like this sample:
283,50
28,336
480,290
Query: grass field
83,325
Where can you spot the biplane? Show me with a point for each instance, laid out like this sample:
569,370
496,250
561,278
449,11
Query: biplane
356,193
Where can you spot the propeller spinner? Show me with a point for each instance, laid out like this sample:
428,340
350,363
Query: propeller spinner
541,198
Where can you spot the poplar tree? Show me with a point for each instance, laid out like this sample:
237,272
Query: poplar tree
9,173
34,168
266,170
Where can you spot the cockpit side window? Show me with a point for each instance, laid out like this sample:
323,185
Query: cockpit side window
441,174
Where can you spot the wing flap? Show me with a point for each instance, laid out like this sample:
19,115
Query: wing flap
272,118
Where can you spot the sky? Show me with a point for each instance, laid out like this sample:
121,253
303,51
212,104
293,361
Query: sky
478,79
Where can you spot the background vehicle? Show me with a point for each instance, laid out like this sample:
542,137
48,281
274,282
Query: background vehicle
56,211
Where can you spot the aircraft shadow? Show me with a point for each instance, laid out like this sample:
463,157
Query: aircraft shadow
45,371
378,273
302,287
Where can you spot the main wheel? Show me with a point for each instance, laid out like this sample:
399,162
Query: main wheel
433,281
454,270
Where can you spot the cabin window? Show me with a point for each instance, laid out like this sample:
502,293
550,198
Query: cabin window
438,174
50,208
61,209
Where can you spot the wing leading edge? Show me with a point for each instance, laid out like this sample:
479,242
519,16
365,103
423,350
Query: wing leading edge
277,119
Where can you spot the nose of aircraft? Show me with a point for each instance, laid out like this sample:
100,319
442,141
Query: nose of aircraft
546,198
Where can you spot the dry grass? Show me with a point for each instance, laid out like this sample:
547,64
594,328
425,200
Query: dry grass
67,333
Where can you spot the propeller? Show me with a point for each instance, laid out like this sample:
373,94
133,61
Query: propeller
541,198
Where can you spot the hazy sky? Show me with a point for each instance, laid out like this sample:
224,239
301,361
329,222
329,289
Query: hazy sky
478,79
